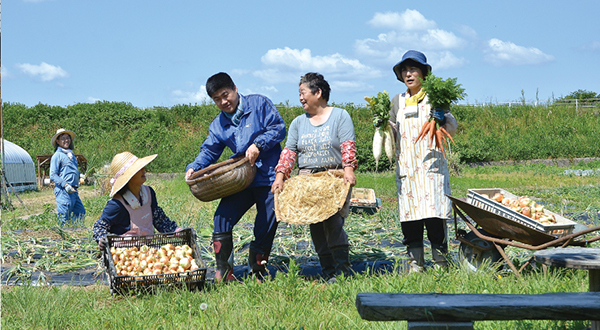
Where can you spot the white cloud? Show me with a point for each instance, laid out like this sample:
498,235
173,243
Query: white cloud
91,99
377,49
468,31
439,39
501,53
277,75
4,72
44,71
271,89
239,72
199,96
408,20
409,30
446,60
594,46
268,91
349,86
288,65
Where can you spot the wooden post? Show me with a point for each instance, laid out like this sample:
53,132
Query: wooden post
594,275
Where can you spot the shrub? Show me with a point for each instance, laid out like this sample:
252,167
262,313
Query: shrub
485,133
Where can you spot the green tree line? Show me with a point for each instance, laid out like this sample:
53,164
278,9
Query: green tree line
485,133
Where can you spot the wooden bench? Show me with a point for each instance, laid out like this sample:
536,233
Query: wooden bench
458,311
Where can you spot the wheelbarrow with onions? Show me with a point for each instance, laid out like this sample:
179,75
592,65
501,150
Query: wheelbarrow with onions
494,226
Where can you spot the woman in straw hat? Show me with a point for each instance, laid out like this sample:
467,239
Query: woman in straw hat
133,209
65,174
322,139
422,179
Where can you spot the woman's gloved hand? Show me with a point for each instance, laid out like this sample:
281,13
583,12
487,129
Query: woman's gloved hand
377,121
69,188
439,114
102,243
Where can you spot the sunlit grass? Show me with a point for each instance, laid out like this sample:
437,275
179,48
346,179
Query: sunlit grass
290,300
287,302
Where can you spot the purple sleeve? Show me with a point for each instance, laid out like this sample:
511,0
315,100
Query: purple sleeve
114,213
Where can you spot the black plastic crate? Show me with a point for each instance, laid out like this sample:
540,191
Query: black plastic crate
192,280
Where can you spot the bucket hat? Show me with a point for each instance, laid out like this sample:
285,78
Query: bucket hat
123,167
416,56
59,132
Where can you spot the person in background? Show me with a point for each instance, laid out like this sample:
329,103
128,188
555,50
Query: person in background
65,174
133,209
335,149
250,126
422,175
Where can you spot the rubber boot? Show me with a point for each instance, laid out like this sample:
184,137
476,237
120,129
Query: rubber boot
416,259
342,262
438,254
223,246
258,264
327,266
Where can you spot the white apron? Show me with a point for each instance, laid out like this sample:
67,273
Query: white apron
141,218
422,175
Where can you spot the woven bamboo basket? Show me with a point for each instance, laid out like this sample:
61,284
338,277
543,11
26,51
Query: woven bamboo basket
313,198
222,179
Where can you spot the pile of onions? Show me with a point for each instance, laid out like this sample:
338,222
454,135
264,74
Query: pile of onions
146,260
527,207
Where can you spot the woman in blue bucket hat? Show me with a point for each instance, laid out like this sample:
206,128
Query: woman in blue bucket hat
422,175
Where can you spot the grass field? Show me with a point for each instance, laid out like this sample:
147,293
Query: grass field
290,301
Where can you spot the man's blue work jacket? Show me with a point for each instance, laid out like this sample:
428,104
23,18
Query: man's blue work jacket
260,124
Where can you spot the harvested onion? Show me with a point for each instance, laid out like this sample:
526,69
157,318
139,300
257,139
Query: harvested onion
139,261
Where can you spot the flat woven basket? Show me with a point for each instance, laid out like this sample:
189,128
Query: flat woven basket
312,198
222,179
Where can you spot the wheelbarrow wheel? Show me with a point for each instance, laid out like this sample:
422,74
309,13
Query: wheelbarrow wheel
479,252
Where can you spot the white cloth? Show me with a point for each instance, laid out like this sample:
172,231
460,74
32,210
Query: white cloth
422,175
69,152
133,201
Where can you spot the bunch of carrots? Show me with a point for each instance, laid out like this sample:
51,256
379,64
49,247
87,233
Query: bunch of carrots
435,131
440,93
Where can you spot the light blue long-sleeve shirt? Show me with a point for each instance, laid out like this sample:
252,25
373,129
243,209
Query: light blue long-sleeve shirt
64,170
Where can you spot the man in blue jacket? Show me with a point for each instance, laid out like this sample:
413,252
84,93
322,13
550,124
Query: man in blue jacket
251,126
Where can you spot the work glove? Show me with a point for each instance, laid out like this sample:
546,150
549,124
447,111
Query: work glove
377,121
439,114
69,188
102,243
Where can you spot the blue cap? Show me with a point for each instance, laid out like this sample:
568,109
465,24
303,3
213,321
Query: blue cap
415,56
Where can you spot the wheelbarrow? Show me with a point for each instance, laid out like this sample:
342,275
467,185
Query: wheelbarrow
495,232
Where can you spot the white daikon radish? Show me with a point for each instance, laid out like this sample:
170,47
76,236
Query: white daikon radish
377,145
389,144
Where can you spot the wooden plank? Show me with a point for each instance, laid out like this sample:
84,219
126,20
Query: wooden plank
478,307
580,258
415,325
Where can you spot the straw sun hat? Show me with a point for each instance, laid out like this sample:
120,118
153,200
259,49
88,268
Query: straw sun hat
60,132
123,167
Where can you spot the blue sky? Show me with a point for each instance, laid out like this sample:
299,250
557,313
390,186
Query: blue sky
160,53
